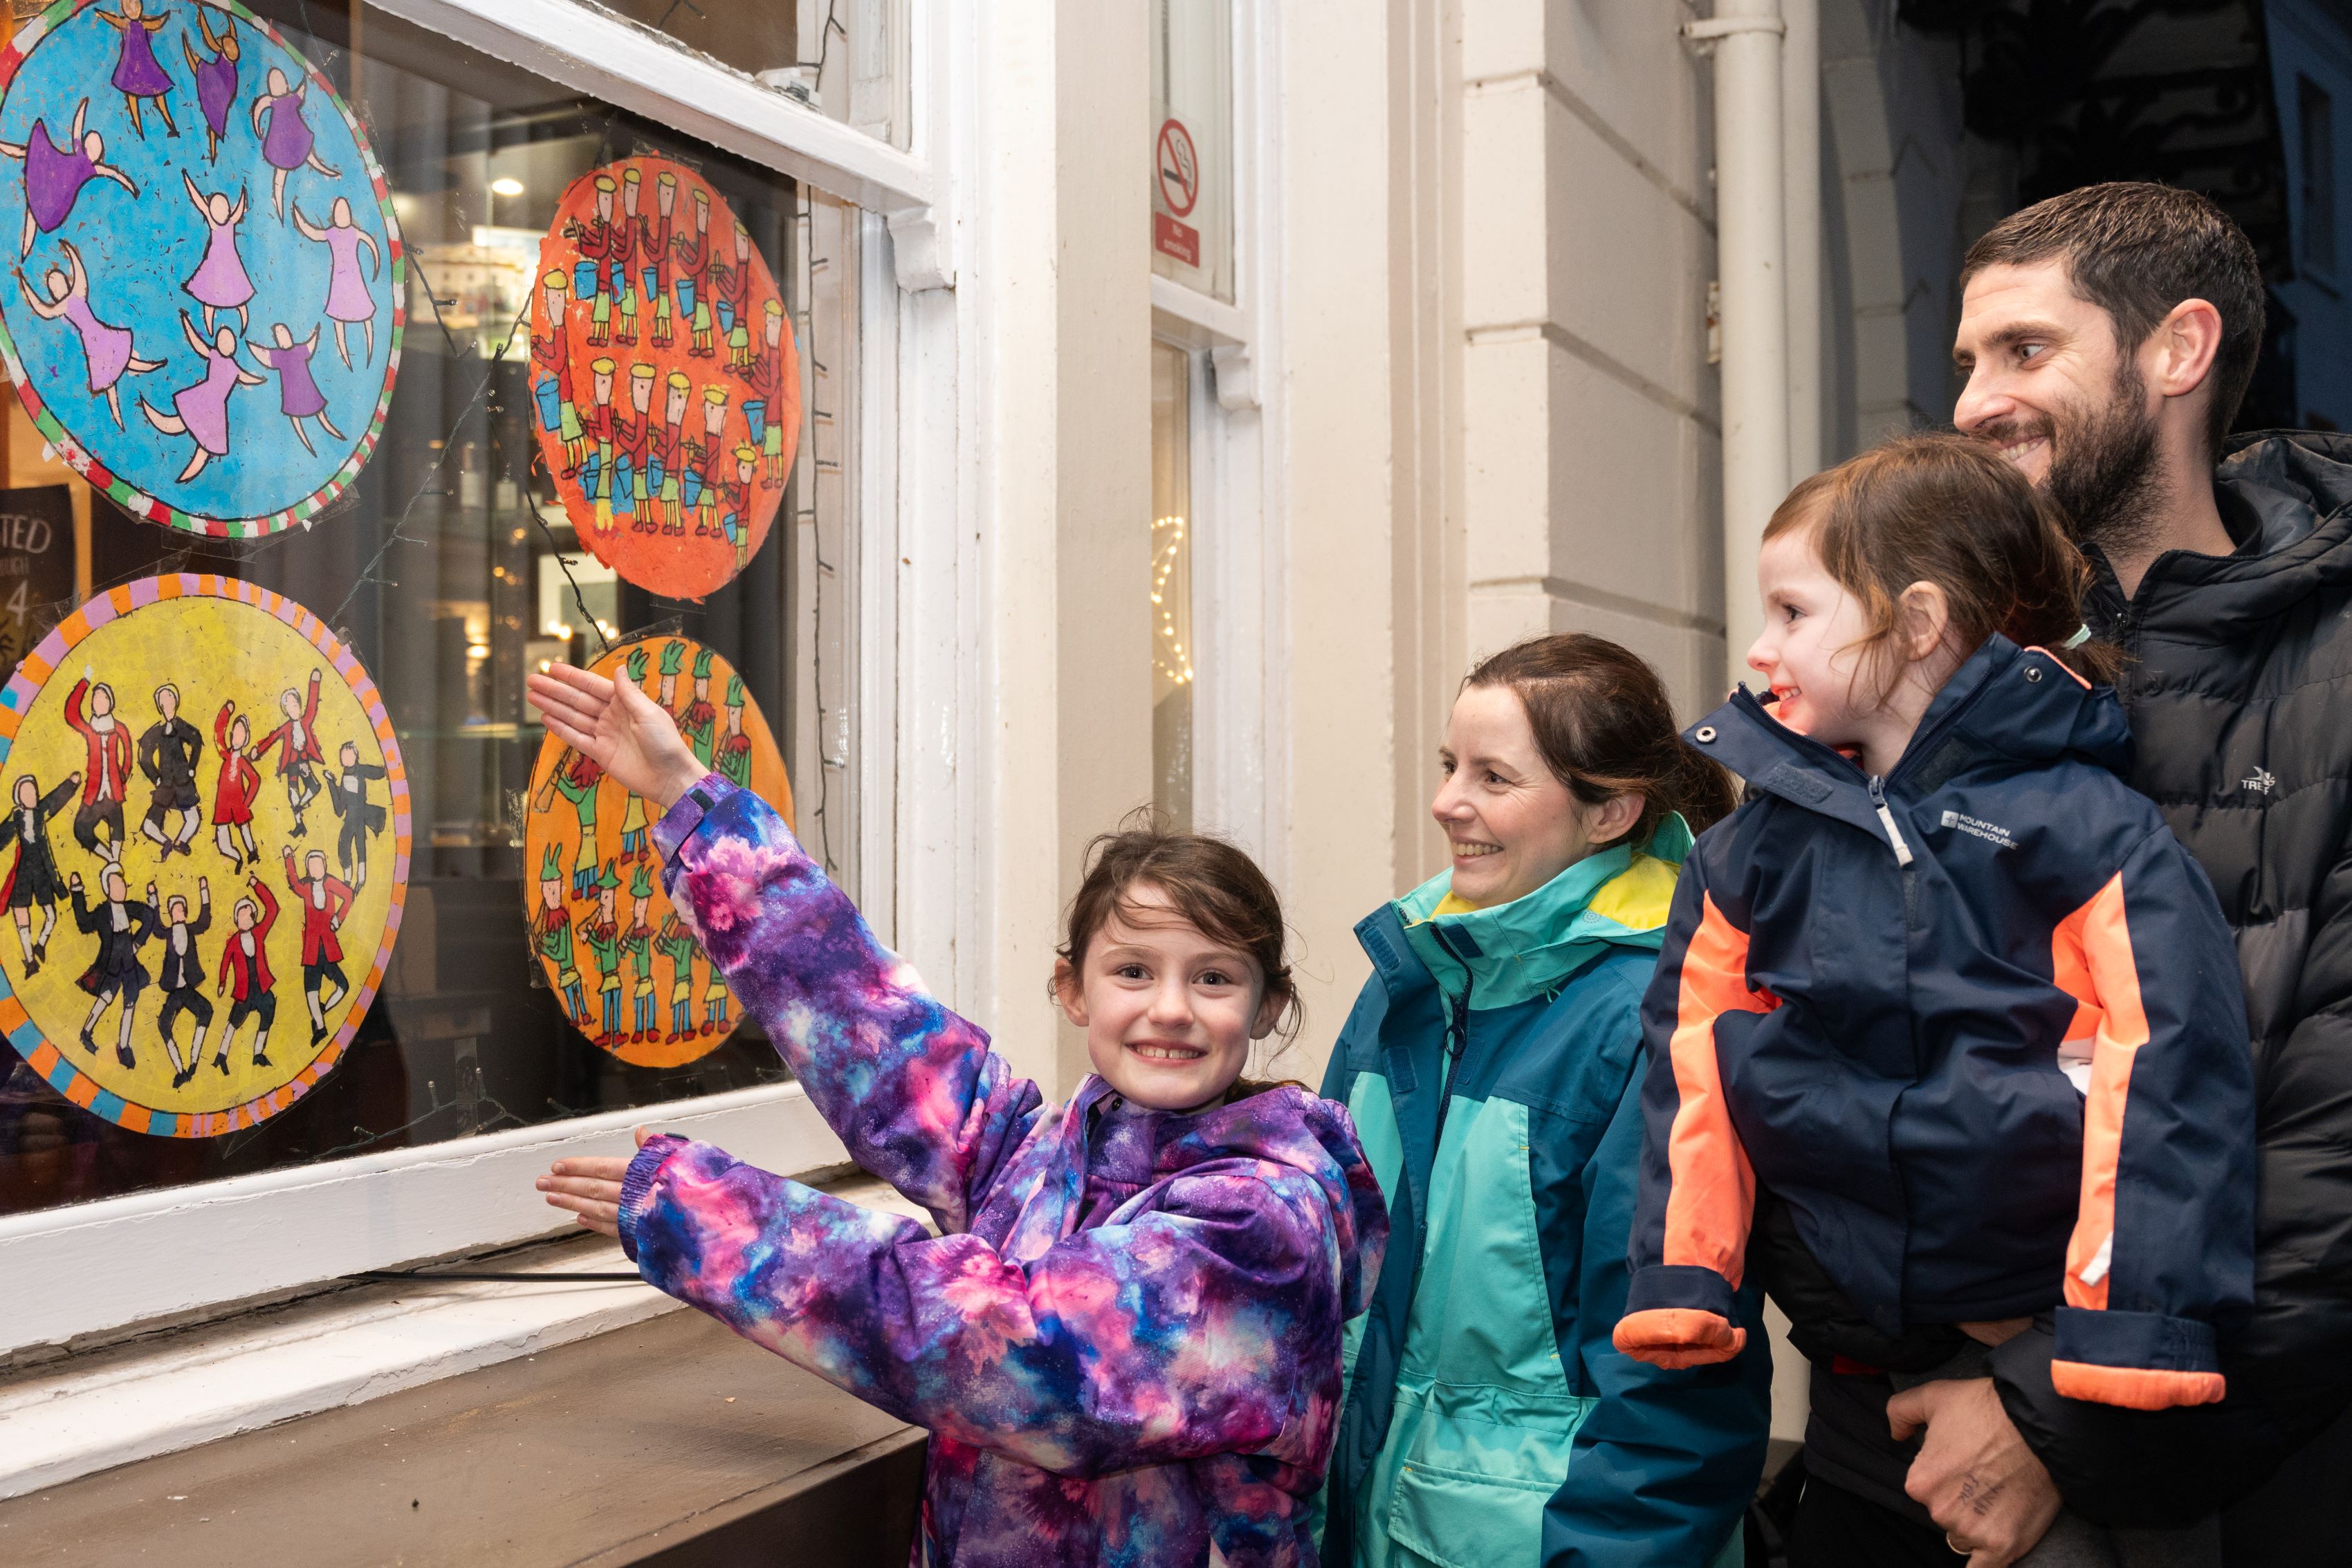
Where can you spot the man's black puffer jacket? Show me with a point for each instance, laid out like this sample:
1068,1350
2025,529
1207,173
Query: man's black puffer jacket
2240,699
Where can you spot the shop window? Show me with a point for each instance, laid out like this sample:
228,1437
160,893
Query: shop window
1172,672
449,568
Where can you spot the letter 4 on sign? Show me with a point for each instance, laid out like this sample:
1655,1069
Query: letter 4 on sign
1177,182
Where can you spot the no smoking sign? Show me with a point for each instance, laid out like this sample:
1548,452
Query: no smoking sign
1177,170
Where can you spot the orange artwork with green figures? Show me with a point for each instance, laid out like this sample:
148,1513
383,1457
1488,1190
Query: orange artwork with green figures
627,971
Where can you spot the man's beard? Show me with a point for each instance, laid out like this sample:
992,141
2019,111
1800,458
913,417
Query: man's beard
2103,466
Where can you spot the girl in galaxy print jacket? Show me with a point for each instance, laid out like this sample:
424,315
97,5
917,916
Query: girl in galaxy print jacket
1126,1337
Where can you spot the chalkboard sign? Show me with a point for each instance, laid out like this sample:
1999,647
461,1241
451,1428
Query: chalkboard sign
37,567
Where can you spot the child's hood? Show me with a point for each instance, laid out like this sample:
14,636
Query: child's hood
1286,1125
2049,715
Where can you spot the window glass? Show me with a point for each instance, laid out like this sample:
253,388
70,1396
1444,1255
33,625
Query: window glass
1192,144
1172,585
449,569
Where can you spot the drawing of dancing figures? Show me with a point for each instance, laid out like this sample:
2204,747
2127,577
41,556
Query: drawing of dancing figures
115,974
167,756
295,741
182,977
245,977
106,775
239,786
325,901
106,348
361,816
33,877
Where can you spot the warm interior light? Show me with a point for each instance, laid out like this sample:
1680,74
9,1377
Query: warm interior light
505,185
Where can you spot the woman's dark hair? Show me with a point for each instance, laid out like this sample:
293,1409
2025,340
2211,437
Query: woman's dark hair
1949,510
1605,728
1211,884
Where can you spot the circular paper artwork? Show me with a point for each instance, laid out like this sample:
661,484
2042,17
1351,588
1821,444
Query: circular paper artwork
665,374
206,851
206,311
629,973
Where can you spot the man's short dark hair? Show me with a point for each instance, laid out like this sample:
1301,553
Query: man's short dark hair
2136,249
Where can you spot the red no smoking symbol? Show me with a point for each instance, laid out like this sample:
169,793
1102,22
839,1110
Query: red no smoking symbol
1180,168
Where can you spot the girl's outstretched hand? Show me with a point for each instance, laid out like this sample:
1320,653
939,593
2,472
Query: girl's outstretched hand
615,726
589,1186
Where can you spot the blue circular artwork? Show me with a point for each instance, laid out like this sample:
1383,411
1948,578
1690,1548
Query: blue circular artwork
202,311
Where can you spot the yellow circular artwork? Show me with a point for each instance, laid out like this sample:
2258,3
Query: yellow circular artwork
205,851
629,974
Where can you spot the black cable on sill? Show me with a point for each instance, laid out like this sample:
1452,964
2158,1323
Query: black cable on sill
401,1276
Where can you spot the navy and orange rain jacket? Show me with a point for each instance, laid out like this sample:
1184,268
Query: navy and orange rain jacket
1864,997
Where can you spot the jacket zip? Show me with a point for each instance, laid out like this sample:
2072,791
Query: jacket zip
1457,1041
1893,834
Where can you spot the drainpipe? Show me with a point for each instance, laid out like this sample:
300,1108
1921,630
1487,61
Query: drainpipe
1751,229
1801,163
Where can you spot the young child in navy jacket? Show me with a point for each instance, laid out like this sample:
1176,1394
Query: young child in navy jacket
1944,983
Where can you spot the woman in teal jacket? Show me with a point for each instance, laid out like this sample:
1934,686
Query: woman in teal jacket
1492,1065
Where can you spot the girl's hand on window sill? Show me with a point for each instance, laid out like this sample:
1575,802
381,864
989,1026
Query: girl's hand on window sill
589,1186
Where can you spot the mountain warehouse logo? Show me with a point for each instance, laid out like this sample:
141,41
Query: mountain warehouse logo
1991,833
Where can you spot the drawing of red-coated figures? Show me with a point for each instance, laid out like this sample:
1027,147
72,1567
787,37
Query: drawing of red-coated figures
766,404
667,464
299,397
182,976
245,977
295,741
106,776
349,303
115,974
654,240
551,352
626,243
32,880
634,496
138,76
238,789
168,753
732,282
286,143
220,281
200,411
361,818
604,936
599,242
106,348
694,260
735,502
713,461
215,77
54,175
325,901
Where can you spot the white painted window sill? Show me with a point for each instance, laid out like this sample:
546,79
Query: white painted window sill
91,1412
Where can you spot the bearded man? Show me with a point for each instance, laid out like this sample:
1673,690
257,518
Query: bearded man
2108,336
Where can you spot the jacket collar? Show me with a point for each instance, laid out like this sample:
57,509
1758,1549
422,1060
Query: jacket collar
2286,499
1617,898
2004,701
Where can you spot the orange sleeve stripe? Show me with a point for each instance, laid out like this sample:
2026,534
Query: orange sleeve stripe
2107,946
2134,1387
2070,971
1713,1190
1678,1336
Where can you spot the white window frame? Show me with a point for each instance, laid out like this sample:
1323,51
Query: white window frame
89,1272
1240,559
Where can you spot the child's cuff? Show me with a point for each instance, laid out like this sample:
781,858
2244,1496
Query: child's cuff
679,822
1679,1315
2140,1360
638,1185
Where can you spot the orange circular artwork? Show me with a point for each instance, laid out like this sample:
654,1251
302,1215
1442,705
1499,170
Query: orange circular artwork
629,973
663,375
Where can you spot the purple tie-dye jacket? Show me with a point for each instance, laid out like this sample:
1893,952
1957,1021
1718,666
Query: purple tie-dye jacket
1125,1341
